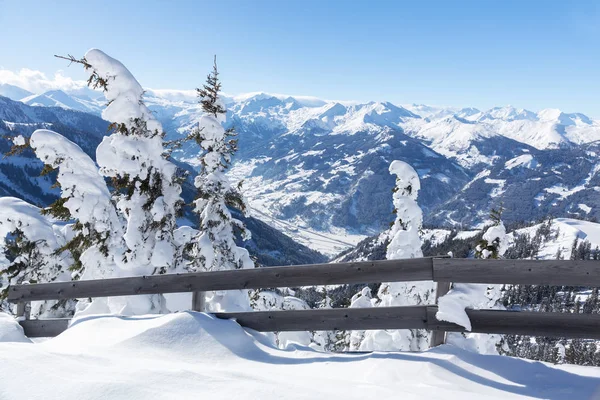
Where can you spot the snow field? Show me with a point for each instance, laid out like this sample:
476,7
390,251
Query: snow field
192,355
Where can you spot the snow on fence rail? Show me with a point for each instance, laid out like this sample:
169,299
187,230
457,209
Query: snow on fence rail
441,270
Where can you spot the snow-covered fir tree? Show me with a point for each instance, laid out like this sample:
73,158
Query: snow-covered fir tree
452,306
214,247
30,253
404,242
131,231
95,230
148,193
96,243
494,242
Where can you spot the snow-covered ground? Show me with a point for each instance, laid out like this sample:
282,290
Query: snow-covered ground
330,242
265,199
565,230
192,356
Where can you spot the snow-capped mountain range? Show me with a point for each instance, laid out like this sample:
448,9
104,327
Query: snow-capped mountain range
20,173
317,169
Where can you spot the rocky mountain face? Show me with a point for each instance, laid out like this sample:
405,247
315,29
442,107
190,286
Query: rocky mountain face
317,170
20,174
323,167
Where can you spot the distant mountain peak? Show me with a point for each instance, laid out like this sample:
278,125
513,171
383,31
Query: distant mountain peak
509,113
58,98
13,92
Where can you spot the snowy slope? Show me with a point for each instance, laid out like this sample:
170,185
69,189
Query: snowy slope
305,164
457,134
13,92
317,168
191,355
530,183
563,232
441,126
567,230
58,98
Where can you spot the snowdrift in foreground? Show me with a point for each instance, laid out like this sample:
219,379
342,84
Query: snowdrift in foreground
10,330
192,355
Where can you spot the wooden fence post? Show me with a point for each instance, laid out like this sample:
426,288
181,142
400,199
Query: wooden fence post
23,310
199,301
439,337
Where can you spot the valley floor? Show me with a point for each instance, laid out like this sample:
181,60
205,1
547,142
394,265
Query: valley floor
191,355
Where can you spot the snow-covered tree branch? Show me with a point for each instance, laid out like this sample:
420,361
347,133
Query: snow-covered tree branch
214,247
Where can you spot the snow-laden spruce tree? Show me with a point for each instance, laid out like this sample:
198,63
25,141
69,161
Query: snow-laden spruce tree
147,191
451,307
95,230
96,243
134,157
214,247
404,242
494,241
30,253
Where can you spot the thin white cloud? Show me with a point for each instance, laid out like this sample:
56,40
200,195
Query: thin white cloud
38,82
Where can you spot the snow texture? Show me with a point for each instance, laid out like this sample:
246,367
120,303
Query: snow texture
10,330
493,233
18,215
124,93
193,355
451,307
19,140
362,299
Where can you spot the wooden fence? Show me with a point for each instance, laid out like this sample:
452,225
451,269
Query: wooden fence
440,270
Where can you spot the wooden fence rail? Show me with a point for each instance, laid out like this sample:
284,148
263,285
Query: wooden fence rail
584,326
534,272
441,270
268,277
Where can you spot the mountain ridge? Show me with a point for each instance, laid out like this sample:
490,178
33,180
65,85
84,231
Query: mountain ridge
319,168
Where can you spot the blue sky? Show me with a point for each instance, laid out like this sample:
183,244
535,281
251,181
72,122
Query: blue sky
532,54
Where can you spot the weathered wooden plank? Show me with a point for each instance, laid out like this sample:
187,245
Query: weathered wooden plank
439,337
332,319
532,272
585,326
44,327
581,326
295,320
417,269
